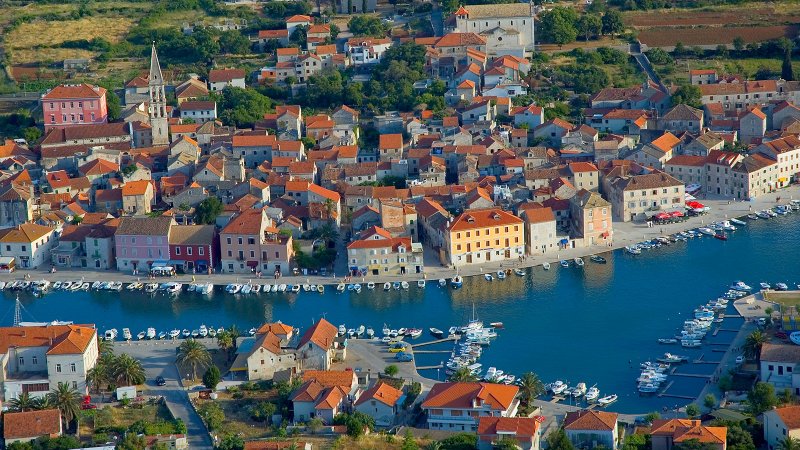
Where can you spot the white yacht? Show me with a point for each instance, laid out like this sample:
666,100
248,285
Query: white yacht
151,333
592,394
111,334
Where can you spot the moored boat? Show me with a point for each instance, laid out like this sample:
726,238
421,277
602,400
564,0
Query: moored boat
597,259
579,262
456,282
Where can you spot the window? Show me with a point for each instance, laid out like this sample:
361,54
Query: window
34,360
189,251
73,368
177,250
21,361
58,368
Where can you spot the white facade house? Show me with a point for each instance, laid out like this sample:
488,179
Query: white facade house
781,423
199,111
508,28
37,358
29,244
366,51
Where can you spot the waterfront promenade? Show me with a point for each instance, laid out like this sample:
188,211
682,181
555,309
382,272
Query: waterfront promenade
625,233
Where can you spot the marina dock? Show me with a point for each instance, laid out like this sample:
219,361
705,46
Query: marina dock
438,341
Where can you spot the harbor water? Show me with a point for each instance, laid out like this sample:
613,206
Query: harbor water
593,324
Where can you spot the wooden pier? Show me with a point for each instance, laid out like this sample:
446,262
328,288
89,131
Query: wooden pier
430,367
438,341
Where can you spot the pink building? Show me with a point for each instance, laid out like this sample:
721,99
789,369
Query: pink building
141,243
74,104
251,243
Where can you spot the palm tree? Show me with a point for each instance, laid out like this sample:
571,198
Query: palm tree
530,387
193,354
463,374
23,402
42,403
235,334
127,370
434,445
753,343
67,400
105,347
789,443
225,342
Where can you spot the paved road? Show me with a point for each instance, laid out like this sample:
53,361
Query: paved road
158,358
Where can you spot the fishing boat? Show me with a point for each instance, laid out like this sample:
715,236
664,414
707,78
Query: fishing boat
421,284
564,263
592,394
371,285
738,222
721,236
162,335
203,330
633,250
370,332
186,333
174,333
456,282
607,400
546,265
150,287
126,334
246,289
233,288
141,335
519,272
387,286
597,259
439,333
488,277
151,333
111,334
579,262
501,275
295,288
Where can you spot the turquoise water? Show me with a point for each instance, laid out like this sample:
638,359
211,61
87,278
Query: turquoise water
568,324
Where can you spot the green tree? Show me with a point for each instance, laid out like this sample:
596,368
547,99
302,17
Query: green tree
391,370
688,95
231,442
212,377
789,443
263,412
357,423
225,342
636,441
710,401
753,343
127,371
738,44
207,211
40,403
243,107
589,25
558,440
31,134
650,417
738,438
66,400
722,51
558,25
193,355
460,441
612,23
787,72
132,441
463,374
761,398
315,425
23,402
409,443
212,414
694,444
530,387
786,397
692,410
233,42
363,25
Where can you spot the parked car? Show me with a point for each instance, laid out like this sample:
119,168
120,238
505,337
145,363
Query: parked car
398,349
739,359
160,381
403,357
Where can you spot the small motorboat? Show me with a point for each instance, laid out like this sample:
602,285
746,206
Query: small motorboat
150,287
721,236
404,284
592,394
781,287
488,277
564,263
740,286
340,287
414,332
295,288
351,287
546,265
174,333
126,334
321,288
579,262
396,285
65,285
111,334
519,272
436,332
141,335
456,282
342,330
212,332
667,341
597,259
56,285
738,222
233,288
421,284
256,289
96,285
186,333
162,335
501,275
795,337
246,289
282,287
497,325
633,250
387,286
203,331
765,285
357,288
371,285
151,333
306,287
370,332
195,334
607,400
442,282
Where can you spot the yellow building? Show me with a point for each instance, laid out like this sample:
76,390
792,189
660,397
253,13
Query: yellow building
484,235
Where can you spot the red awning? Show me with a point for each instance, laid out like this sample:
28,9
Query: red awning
662,215
676,214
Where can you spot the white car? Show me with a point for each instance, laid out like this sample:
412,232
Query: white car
739,359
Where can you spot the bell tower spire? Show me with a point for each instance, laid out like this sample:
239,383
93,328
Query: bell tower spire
158,102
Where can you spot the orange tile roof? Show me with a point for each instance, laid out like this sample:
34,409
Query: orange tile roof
331,378
298,18
381,392
261,140
248,222
483,218
790,415
683,430
60,339
321,333
666,142
76,91
138,187
590,420
391,141
273,445
98,166
515,426
24,233
31,424
278,328
463,395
